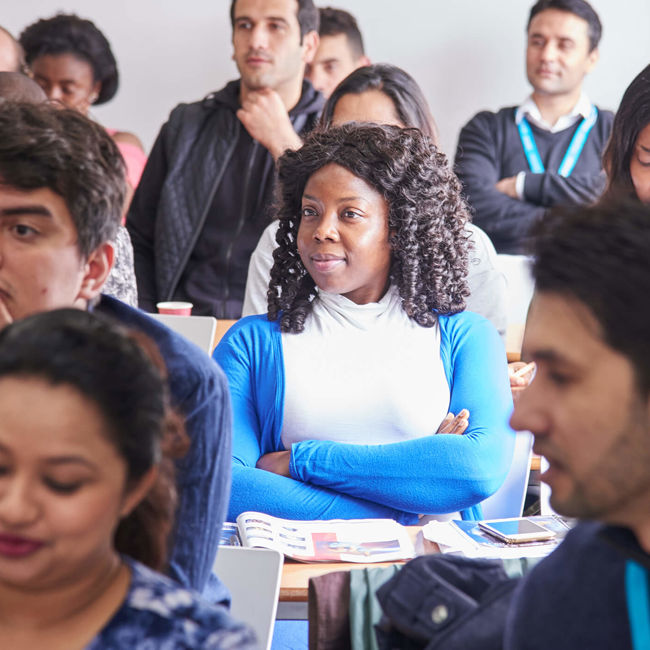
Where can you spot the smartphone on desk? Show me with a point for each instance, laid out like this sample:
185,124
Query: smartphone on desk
516,531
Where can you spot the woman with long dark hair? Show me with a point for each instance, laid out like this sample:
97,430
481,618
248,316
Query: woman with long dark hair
627,156
87,493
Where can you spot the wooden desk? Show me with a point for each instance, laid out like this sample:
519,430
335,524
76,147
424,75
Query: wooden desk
294,586
223,325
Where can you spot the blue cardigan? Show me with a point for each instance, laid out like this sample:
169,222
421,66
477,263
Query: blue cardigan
430,475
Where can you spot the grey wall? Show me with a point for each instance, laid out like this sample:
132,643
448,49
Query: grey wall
467,55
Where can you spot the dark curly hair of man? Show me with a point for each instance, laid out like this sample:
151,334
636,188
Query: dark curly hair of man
426,219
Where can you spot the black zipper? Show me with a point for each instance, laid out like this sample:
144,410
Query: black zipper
181,267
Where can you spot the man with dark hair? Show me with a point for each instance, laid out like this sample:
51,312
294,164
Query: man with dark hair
11,54
206,191
340,50
518,162
62,188
589,410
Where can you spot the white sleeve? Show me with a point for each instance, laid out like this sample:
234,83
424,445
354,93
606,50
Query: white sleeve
259,272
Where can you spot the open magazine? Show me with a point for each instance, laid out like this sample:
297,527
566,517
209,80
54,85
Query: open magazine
334,540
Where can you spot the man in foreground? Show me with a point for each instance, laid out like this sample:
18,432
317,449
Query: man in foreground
205,194
340,50
589,409
62,188
522,160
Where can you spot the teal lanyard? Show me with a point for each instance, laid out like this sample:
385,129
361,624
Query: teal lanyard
572,153
638,604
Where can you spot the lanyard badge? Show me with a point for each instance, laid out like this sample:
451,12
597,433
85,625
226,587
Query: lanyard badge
638,604
572,153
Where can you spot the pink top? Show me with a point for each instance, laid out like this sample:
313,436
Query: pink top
134,158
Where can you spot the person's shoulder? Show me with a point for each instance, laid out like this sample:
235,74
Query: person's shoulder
605,119
582,550
189,114
492,118
159,611
463,322
252,329
128,138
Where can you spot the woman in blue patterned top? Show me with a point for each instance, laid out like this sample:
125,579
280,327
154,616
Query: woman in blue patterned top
87,494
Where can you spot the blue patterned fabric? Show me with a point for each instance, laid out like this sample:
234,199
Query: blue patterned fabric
158,614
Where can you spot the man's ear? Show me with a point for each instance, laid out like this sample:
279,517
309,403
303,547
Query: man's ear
363,61
96,270
592,59
137,492
309,46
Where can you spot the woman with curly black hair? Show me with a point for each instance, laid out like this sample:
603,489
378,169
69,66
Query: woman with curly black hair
339,392
385,94
73,62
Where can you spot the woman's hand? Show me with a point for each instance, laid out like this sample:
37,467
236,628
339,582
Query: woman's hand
276,462
455,424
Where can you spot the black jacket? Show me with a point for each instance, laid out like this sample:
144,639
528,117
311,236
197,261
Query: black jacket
185,172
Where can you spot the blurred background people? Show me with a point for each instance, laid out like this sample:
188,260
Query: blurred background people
340,50
72,61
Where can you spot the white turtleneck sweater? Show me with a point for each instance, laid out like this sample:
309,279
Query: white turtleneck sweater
365,374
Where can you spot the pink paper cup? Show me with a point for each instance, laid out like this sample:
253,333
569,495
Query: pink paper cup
175,308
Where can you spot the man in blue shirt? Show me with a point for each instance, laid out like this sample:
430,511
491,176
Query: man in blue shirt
61,197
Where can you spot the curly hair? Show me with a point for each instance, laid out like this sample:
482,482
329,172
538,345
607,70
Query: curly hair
426,219
69,34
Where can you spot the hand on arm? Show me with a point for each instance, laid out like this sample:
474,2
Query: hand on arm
508,186
276,462
265,117
455,424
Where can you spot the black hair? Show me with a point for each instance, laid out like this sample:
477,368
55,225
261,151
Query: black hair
308,18
632,117
410,104
69,34
579,8
336,21
426,219
122,373
599,256
61,150
21,65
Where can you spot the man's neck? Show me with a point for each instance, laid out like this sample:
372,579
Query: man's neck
290,96
553,107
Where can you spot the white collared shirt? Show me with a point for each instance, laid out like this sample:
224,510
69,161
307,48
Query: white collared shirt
531,112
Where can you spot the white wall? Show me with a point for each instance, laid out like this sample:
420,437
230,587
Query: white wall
467,55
